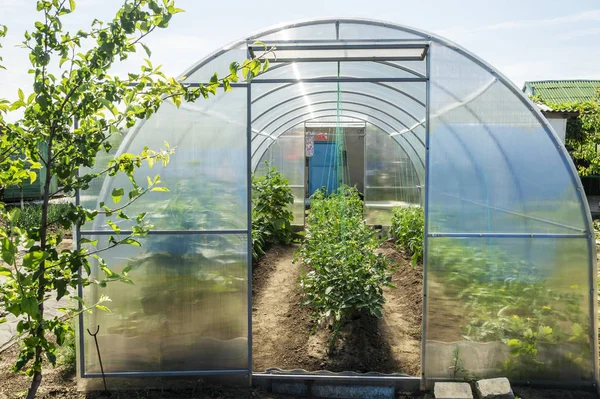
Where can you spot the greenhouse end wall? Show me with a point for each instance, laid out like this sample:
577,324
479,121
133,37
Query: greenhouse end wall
509,268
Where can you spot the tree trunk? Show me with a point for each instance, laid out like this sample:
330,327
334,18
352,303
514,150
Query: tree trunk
37,375
35,384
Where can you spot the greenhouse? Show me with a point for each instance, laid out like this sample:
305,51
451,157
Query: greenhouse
406,117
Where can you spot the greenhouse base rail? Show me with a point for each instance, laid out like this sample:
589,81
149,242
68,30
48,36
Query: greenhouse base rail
151,374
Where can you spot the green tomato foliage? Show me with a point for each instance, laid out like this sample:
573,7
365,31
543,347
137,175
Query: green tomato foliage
408,223
271,214
344,274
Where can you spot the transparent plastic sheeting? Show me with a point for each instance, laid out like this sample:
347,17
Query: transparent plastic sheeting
287,155
390,177
206,176
186,311
188,308
504,305
509,307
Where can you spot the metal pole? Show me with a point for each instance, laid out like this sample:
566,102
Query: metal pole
249,221
426,213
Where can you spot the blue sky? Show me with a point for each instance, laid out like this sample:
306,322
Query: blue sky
524,39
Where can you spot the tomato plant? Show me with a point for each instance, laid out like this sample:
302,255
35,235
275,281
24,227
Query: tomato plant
408,223
345,275
271,213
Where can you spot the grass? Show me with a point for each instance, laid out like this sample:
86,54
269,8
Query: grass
31,216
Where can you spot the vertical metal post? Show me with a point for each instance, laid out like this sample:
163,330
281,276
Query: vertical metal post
593,279
77,237
426,213
249,220
304,177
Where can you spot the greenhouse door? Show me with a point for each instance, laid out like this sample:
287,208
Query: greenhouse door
322,168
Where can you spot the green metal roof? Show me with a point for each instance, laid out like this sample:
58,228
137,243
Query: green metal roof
564,91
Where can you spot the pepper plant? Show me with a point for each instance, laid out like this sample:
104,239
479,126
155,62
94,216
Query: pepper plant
75,106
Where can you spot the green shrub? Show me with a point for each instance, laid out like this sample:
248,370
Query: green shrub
408,224
345,276
271,214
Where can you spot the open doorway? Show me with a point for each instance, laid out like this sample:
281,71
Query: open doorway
335,156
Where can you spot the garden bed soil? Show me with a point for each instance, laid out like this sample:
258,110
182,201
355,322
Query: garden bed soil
283,331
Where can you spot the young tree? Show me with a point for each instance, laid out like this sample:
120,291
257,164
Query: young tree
75,107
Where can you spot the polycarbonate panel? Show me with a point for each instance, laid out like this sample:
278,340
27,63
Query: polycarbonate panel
407,97
219,64
391,177
344,114
516,301
312,31
349,96
89,198
382,69
187,309
206,176
350,30
287,155
494,168
514,307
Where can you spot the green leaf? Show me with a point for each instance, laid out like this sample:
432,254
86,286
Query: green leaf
5,272
72,5
29,306
103,308
34,258
21,95
146,49
545,330
131,241
88,241
577,329
32,177
115,228
117,194
8,251
160,189
14,214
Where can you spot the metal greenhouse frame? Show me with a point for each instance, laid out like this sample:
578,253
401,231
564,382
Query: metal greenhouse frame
468,132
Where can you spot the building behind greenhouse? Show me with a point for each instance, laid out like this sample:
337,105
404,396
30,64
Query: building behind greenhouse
422,122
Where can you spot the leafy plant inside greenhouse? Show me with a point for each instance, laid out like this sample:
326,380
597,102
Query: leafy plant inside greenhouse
71,81
344,276
506,301
408,229
271,213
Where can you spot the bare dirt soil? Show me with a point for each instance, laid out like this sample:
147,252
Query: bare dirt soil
60,383
284,336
